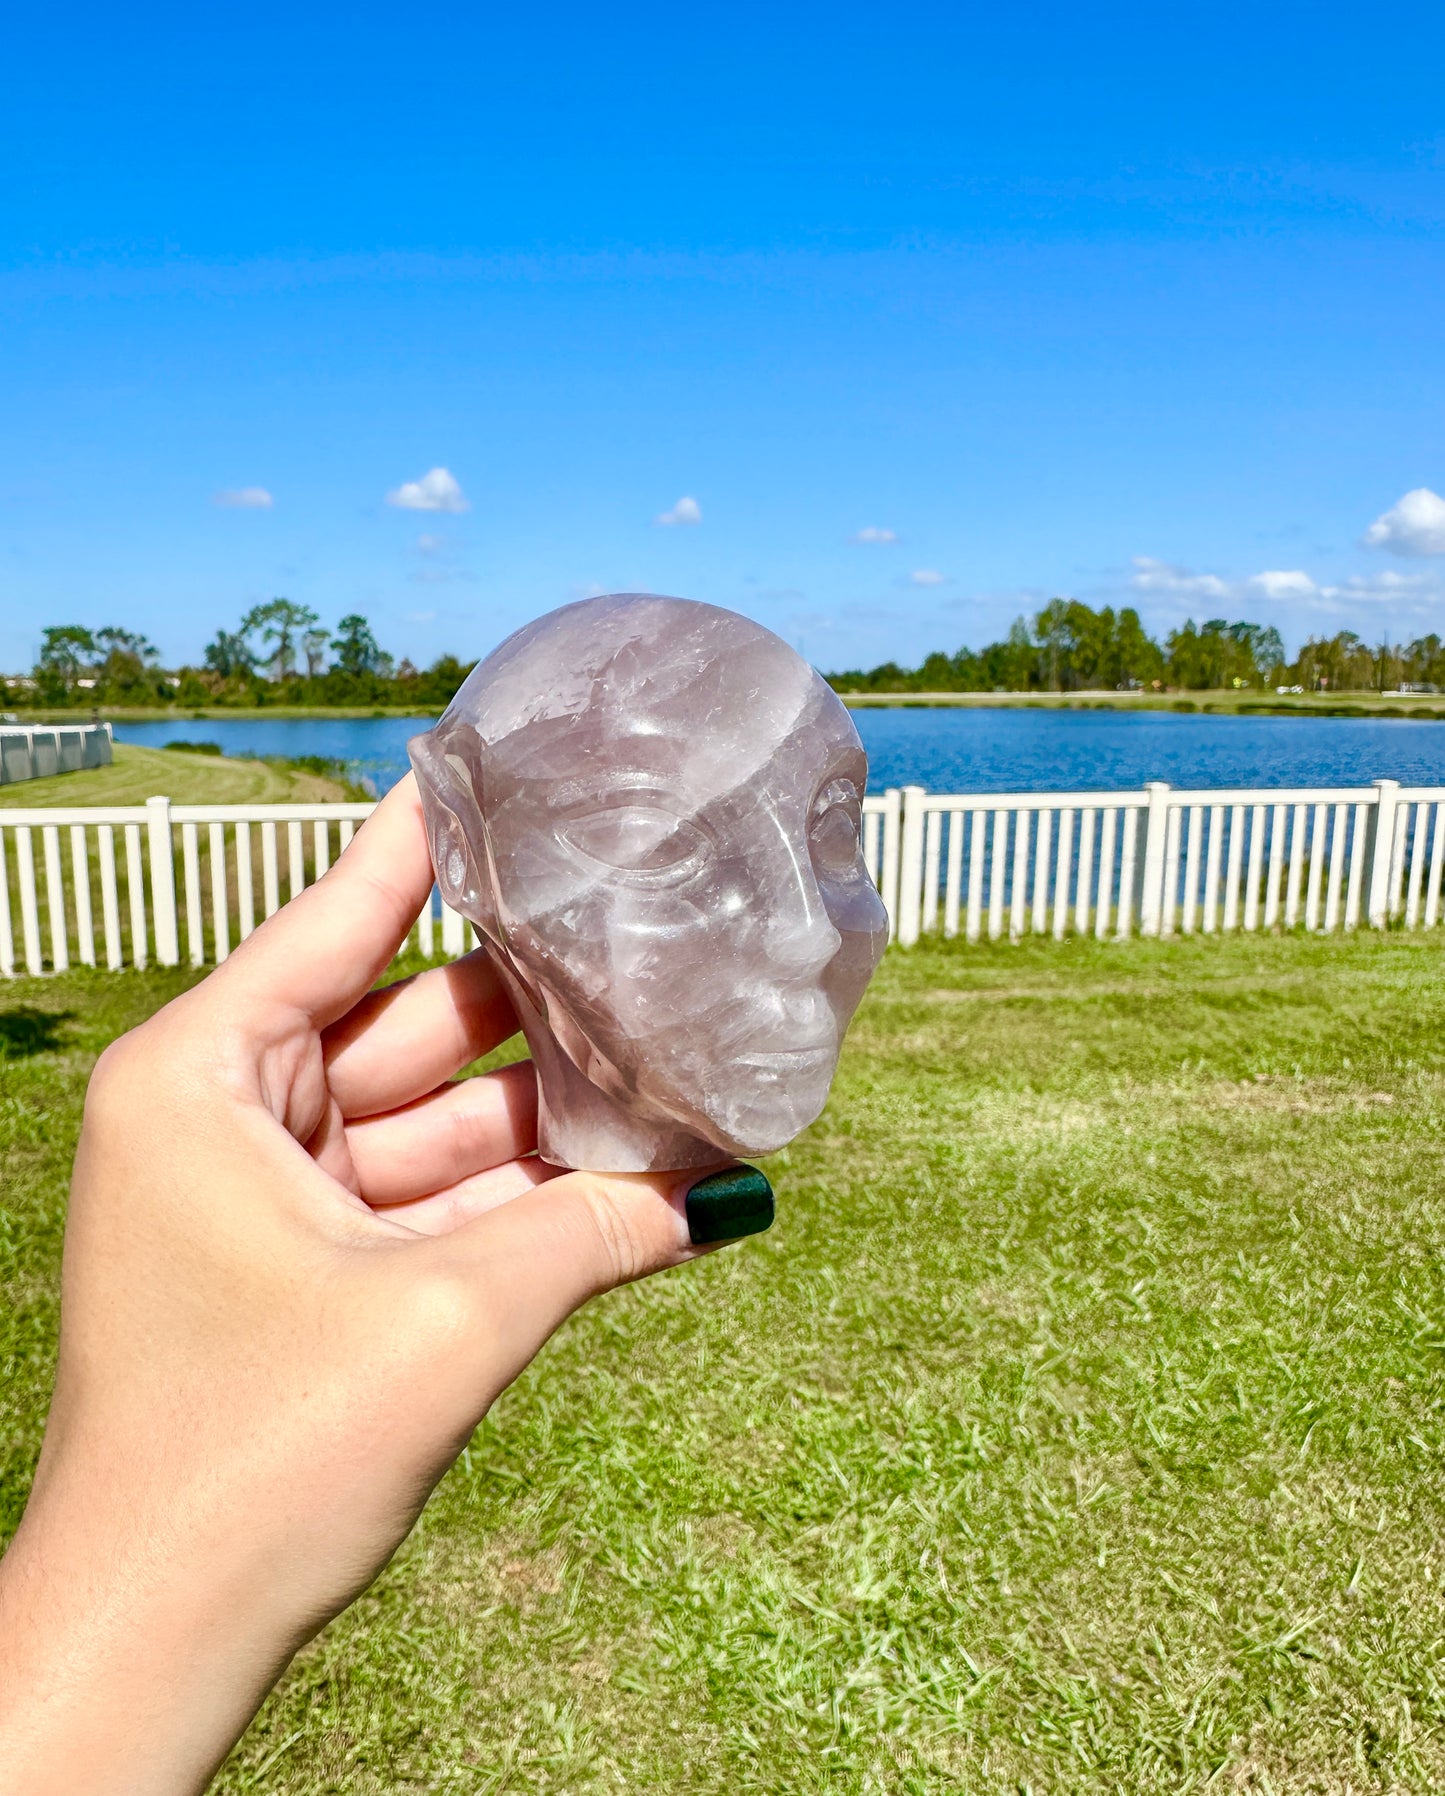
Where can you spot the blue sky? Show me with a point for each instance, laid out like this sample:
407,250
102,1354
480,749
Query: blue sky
1094,301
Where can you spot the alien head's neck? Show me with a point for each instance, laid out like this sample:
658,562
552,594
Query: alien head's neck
578,1124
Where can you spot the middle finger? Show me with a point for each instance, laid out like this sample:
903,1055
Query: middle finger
401,1042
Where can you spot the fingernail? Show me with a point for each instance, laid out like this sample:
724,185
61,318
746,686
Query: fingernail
725,1206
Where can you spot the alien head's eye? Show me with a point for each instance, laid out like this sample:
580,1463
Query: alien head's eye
449,856
644,840
833,827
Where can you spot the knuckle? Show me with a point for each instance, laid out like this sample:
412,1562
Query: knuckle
443,1307
152,1071
615,1228
110,1094
466,1134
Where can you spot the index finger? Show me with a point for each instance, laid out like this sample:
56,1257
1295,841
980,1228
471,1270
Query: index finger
330,944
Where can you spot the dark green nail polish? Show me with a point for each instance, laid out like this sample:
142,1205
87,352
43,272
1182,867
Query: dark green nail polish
727,1205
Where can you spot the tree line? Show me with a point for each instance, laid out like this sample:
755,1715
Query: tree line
278,654
1070,647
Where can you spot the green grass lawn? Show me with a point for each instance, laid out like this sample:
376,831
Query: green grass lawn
1077,1428
141,773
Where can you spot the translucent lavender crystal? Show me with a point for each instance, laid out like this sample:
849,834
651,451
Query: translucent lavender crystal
650,810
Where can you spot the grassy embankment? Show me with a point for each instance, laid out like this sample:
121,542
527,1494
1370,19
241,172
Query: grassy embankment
1078,1428
137,774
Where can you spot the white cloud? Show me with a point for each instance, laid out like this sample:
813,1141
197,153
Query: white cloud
429,545
1388,587
1167,580
436,491
243,498
421,617
1151,575
874,533
1414,525
432,574
1409,593
1282,583
686,511
926,576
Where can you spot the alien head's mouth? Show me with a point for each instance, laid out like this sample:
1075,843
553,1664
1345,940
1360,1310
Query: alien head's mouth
790,1061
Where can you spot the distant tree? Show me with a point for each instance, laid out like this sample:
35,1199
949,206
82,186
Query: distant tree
1195,655
126,673
1140,662
124,679
1424,660
280,622
938,673
111,640
1079,647
230,655
192,687
1016,658
969,672
1338,663
1056,643
67,651
355,647
1068,646
1389,667
1094,652
1268,651
313,646
1220,655
439,683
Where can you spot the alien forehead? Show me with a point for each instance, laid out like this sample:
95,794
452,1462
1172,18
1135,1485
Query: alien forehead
565,769
601,784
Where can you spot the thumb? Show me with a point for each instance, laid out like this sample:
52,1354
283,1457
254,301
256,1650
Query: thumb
536,1259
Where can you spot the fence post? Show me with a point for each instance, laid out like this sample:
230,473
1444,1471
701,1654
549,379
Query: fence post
888,873
454,932
1156,829
163,881
1382,853
910,867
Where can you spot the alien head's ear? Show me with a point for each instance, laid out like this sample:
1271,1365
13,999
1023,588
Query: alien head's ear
456,833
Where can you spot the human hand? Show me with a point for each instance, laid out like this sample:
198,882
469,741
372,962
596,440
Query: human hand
299,1266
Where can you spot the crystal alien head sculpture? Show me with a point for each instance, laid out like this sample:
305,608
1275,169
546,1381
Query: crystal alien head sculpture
650,810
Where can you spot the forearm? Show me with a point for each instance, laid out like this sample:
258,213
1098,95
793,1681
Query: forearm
119,1675
261,1377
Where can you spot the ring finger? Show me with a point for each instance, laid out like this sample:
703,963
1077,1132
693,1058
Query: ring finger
451,1134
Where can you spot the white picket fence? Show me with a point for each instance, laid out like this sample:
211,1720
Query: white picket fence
119,885
128,885
1158,861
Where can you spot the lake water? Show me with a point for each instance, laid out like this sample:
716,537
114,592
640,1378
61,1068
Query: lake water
968,750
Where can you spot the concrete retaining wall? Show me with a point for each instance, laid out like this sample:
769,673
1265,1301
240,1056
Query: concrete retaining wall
31,751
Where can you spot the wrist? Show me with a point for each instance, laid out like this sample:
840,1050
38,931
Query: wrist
128,1664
